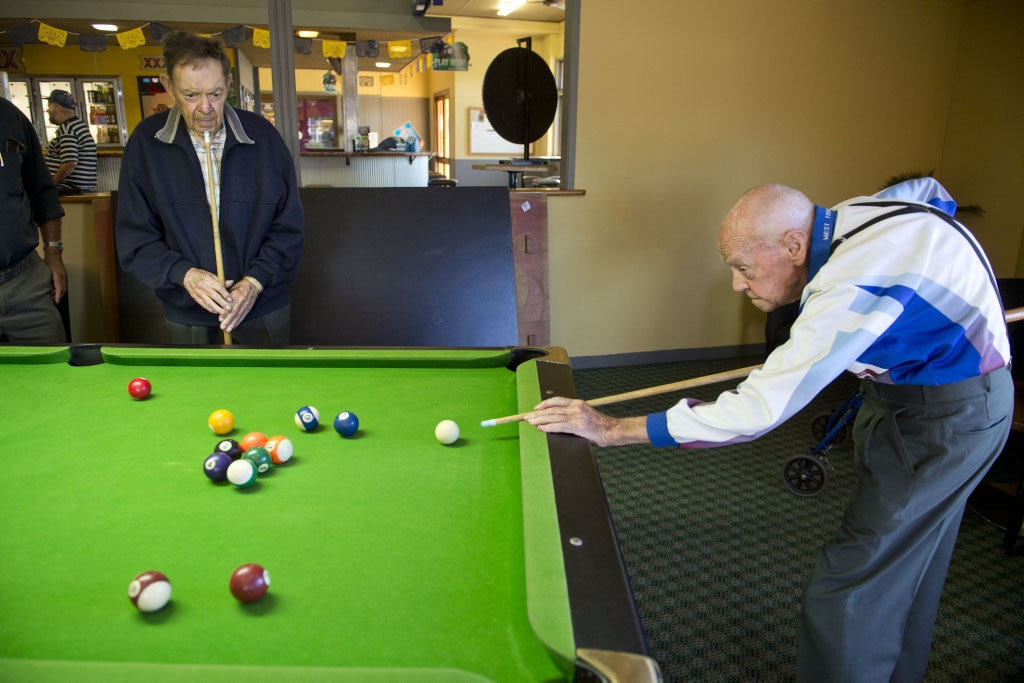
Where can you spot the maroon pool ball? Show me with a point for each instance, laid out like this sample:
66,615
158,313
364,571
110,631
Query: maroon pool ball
150,591
250,582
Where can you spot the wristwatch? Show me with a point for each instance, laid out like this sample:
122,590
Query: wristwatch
59,245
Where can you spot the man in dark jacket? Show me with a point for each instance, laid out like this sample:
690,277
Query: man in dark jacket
208,210
29,209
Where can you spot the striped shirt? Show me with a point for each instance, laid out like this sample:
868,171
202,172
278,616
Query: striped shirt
909,300
73,142
216,153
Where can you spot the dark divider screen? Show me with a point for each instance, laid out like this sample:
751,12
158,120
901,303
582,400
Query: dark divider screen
397,266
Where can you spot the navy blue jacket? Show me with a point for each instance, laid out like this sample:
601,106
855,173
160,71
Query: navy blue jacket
28,197
163,226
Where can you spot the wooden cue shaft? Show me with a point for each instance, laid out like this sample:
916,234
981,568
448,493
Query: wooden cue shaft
217,253
642,393
1012,315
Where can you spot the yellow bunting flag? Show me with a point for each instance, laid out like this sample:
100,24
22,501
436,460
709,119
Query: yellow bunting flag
261,37
52,36
334,48
130,39
387,79
399,48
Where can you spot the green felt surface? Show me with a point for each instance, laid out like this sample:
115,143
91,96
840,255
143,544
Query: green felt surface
388,552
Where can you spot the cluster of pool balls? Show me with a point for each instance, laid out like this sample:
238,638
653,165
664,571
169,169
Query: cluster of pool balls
150,591
241,462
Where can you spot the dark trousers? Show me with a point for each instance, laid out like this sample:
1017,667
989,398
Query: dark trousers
272,329
870,606
27,312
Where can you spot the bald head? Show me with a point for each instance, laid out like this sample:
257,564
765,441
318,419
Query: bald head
765,239
765,213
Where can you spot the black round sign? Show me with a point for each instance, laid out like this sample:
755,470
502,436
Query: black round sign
520,96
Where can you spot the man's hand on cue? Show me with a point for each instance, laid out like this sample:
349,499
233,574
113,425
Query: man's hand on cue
574,416
243,296
208,292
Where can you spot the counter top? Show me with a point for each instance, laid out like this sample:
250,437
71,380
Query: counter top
340,152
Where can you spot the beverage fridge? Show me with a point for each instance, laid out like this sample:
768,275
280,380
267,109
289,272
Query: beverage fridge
99,101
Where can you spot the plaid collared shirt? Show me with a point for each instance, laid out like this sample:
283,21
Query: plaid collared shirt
216,152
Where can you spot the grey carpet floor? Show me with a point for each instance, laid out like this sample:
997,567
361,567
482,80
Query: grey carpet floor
718,548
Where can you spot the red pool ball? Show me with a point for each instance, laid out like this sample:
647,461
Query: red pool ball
139,388
249,582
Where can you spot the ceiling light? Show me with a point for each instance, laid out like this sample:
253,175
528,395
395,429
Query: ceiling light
382,65
105,27
507,7
308,34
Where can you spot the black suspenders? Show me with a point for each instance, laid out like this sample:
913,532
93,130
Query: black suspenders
916,208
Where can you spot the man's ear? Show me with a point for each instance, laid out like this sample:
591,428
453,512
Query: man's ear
797,245
165,81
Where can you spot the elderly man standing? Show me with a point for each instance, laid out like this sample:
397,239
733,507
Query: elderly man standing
208,208
894,290
71,156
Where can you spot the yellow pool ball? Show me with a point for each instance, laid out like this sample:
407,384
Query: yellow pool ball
221,421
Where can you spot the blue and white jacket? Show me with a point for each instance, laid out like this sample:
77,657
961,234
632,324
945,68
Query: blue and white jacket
908,300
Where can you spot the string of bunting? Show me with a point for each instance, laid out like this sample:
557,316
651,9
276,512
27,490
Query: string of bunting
396,49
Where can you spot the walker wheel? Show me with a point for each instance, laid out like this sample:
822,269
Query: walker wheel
805,475
819,428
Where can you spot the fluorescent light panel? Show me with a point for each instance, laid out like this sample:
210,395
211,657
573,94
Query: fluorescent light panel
507,7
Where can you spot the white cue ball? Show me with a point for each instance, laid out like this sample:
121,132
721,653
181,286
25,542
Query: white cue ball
447,432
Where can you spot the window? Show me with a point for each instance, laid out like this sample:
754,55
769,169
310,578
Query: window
442,133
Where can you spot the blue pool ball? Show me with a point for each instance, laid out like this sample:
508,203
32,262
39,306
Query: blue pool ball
307,418
216,466
346,423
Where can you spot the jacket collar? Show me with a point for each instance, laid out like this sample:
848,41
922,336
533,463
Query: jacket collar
231,120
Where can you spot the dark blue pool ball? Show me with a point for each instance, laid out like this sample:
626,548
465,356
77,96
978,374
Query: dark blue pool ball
346,423
216,466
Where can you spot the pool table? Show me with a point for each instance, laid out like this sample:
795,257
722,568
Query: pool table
391,556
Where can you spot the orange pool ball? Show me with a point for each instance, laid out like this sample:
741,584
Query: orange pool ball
253,439
280,449
221,421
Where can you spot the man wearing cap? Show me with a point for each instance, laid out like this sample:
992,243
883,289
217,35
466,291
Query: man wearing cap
71,157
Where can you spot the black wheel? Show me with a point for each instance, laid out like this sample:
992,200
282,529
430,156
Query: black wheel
819,428
805,475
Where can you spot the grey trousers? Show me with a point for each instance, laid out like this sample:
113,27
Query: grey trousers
272,329
870,606
27,312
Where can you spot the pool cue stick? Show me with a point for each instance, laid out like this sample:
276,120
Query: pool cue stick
218,255
1012,315
643,393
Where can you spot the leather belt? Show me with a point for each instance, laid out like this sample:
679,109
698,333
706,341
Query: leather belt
8,273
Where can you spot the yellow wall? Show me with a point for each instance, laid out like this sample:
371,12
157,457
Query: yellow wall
684,106
983,156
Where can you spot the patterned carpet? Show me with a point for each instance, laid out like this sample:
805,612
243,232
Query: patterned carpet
718,548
